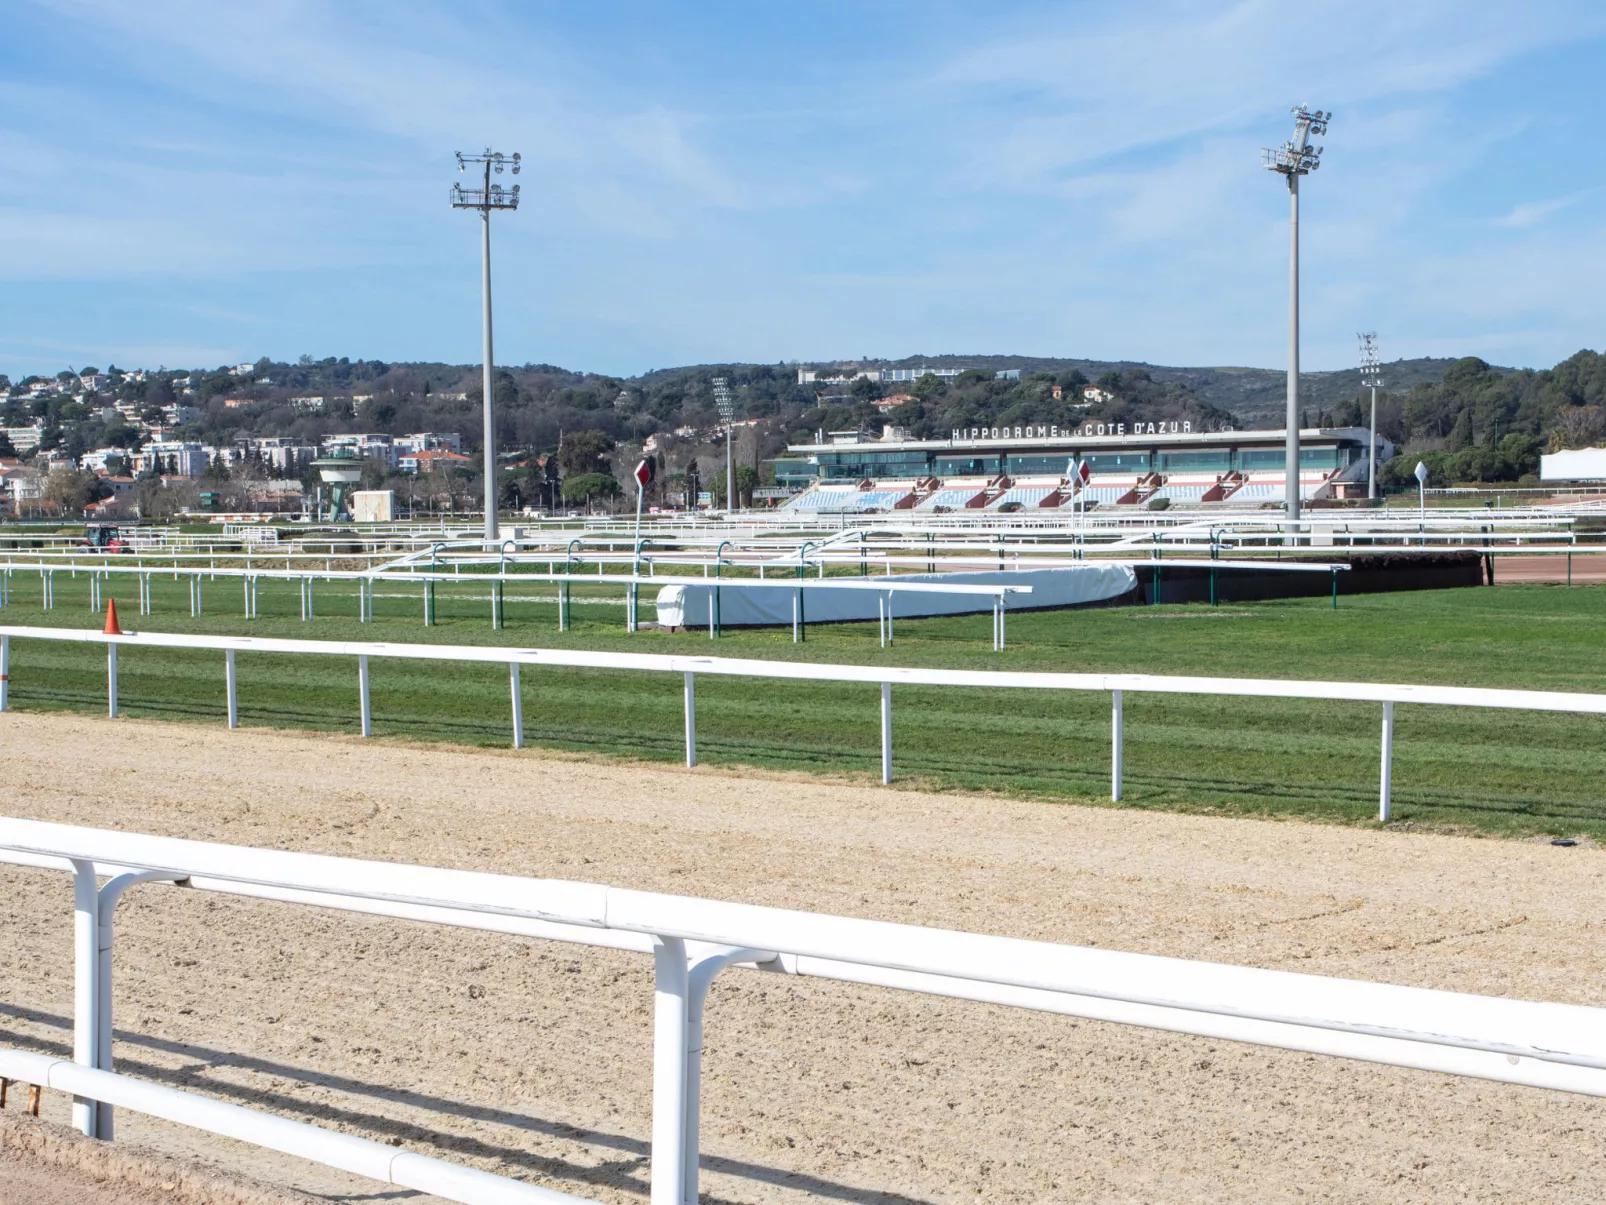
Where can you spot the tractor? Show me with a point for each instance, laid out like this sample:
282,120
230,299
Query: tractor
103,537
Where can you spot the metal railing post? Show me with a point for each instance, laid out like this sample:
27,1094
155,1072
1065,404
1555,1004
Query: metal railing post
886,734
691,719
111,680
362,686
230,683
1117,739
106,900
699,978
1385,789
518,704
669,1060
5,673
86,986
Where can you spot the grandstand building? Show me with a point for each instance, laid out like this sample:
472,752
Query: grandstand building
1030,468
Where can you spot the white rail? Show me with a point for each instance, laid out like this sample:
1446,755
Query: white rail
415,574
886,677
1537,1044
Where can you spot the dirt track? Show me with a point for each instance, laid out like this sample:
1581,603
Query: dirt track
1586,568
533,1058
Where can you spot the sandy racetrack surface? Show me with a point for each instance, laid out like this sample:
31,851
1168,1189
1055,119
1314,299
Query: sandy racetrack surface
533,1059
1586,568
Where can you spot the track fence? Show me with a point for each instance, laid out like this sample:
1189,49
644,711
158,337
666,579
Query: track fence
1536,1044
884,678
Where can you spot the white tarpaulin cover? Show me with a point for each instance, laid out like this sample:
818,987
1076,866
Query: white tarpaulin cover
756,606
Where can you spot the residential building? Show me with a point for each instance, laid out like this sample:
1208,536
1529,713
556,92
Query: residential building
429,441
425,462
22,485
171,457
283,455
95,461
24,439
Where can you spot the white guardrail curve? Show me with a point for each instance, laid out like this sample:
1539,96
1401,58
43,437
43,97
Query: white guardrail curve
1530,1043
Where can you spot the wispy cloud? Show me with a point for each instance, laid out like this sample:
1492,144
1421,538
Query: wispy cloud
1528,214
1032,176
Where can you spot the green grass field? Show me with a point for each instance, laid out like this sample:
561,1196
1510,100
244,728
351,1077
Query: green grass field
1494,771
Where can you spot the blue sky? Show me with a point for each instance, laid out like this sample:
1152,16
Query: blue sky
202,183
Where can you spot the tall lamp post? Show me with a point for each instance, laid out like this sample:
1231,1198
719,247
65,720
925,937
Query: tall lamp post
1295,158
727,414
1371,377
485,198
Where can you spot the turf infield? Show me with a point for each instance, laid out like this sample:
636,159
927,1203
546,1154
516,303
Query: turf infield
1504,772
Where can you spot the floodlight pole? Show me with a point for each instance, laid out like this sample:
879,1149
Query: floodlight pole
1371,376
1371,450
487,385
727,411
486,198
1291,452
1295,158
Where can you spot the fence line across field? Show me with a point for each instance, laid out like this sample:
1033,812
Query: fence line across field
1529,1043
887,585
1117,686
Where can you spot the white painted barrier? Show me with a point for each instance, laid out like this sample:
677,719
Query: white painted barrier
1116,685
1537,1044
696,602
999,593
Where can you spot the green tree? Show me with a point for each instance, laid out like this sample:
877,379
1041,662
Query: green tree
584,452
746,482
583,488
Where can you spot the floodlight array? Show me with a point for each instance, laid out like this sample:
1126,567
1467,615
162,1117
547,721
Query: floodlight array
1297,157
488,196
1371,366
724,400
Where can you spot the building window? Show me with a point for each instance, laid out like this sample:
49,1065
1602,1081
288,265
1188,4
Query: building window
1058,465
967,466
1196,462
1118,462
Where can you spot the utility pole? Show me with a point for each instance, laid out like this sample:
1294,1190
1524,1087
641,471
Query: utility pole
1371,375
727,413
1295,158
486,198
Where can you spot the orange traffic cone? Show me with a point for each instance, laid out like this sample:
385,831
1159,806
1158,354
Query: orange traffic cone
111,628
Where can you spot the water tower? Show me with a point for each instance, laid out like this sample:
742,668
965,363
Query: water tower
340,471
